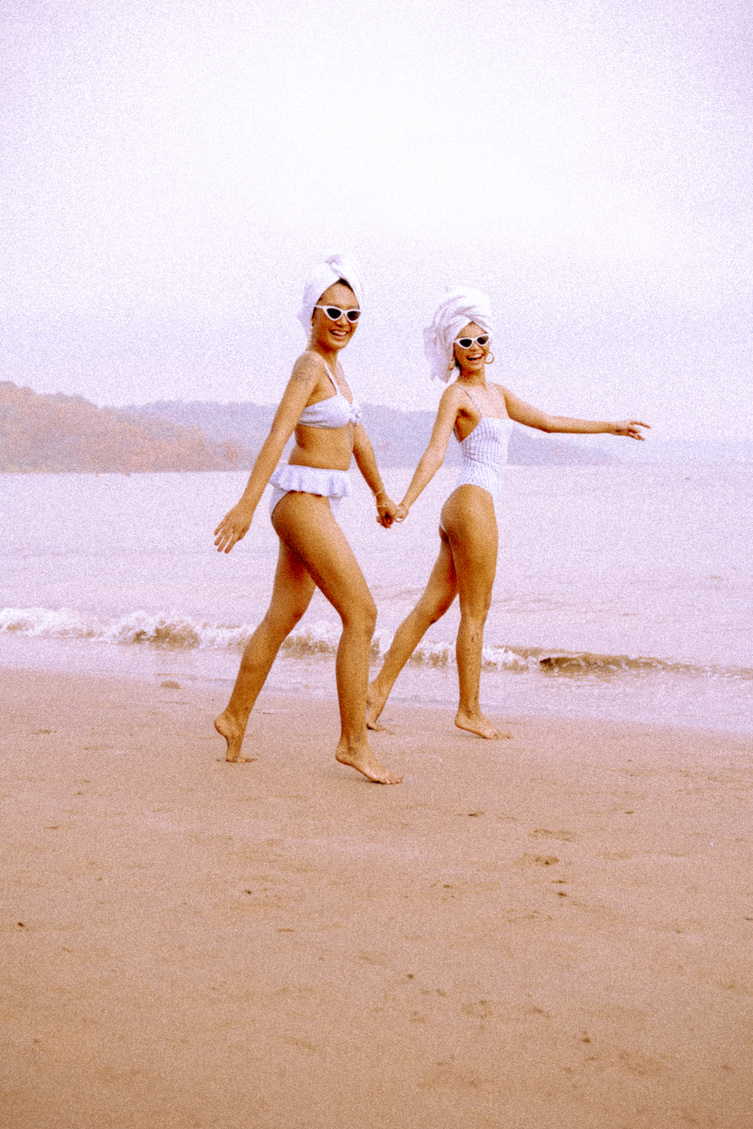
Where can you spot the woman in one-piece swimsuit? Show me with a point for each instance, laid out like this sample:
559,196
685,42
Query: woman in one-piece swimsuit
481,415
314,553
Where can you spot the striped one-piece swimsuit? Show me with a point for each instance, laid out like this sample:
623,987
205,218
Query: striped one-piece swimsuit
484,453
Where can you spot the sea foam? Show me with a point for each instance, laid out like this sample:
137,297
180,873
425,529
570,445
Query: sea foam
173,632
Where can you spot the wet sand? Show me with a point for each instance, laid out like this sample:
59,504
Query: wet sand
544,933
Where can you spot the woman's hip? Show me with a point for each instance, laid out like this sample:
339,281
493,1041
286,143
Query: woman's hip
471,511
298,478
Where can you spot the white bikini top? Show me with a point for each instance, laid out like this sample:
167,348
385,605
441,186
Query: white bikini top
336,411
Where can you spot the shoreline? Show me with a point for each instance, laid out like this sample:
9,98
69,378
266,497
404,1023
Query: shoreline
685,700
538,933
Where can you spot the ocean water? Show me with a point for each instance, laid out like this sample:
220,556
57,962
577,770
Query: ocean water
622,592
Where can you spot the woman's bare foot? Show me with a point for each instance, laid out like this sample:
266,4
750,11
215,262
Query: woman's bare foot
229,728
359,756
374,706
480,725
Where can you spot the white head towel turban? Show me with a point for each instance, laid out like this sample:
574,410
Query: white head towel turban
336,268
457,309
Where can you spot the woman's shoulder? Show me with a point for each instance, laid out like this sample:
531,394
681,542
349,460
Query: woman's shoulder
503,391
456,398
453,395
309,366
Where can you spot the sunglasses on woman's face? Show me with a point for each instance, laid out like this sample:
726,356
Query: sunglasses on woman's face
334,313
466,342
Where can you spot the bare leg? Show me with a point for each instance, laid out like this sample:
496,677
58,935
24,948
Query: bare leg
436,599
291,595
471,525
306,525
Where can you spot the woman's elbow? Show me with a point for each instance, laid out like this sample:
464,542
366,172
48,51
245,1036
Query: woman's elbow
543,423
277,438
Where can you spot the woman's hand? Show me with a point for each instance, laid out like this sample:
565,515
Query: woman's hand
233,527
401,512
629,428
385,510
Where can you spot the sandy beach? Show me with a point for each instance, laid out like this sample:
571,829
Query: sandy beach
543,933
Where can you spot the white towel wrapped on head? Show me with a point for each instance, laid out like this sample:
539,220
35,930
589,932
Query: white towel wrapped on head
336,268
459,308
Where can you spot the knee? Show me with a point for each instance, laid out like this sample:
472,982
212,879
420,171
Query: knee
433,604
370,617
436,614
474,606
361,617
474,620
279,622
442,605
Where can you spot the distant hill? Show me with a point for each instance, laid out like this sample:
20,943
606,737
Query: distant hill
57,433
67,433
398,437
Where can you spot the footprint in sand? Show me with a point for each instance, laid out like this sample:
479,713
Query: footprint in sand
538,860
479,1009
564,836
448,1076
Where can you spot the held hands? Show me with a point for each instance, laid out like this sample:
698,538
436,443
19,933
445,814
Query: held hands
233,527
629,428
385,509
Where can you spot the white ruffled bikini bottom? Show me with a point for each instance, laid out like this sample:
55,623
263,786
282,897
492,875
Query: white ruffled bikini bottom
292,477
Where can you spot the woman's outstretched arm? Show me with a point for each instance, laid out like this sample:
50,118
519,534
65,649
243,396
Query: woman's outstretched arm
433,456
522,412
235,523
363,452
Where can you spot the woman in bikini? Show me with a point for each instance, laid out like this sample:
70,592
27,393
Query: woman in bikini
319,406
481,415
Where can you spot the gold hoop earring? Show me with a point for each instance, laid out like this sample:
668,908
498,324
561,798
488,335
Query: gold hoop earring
451,365
489,359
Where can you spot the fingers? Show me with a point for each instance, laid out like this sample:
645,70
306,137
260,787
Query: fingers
222,535
222,523
225,543
386,512
228,534
633,429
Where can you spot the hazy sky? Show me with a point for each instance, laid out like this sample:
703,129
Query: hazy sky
173,168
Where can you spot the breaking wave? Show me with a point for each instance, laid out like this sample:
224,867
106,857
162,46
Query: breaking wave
169,631
178,633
